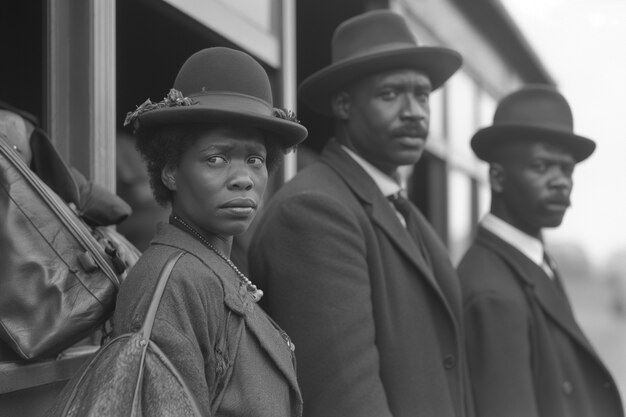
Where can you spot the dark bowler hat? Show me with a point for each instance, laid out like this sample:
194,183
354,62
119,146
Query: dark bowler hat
225,86
535,112
369,43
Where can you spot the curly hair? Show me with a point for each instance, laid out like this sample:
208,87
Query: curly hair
164,146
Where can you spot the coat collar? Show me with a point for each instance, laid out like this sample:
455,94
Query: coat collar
529,245
378,207
387,185
551,300
236,297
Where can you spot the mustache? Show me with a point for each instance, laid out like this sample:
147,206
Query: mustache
411,130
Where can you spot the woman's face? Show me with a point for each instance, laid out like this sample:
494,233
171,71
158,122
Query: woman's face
220,180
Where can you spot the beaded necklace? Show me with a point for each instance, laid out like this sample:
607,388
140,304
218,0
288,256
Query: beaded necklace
255,292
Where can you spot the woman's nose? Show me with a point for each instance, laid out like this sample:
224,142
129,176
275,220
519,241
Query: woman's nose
241,179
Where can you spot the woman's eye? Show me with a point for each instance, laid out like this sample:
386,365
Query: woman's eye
256,161
217,160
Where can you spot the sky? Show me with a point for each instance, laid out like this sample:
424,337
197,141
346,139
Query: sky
582,43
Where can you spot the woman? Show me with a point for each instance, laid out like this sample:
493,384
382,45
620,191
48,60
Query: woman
208,146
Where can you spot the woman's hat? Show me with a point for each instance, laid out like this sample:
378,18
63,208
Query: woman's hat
221,85
533,113
370,43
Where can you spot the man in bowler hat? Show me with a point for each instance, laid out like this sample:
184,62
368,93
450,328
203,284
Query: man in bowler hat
366,290
527,355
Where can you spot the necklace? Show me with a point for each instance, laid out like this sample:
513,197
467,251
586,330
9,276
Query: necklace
254,291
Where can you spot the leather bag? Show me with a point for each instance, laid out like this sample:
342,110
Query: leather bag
130,376
58,283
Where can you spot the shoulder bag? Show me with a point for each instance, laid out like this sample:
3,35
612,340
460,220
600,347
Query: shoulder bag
130,376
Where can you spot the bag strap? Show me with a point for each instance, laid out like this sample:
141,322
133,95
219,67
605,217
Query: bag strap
146,329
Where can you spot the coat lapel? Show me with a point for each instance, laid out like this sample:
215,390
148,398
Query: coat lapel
378,208
237,298
276,347
549,296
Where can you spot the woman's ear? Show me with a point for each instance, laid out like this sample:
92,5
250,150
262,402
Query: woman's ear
496,177
341,105
168,177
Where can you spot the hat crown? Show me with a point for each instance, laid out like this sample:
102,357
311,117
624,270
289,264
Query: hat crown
222,70
536,112
535,106
369,33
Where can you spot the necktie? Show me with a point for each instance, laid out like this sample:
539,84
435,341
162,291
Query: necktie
404,207
550,268
547,266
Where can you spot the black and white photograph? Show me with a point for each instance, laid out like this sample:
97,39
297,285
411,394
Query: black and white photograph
312,208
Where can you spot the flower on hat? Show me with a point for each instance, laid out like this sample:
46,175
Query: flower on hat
286,114
173,98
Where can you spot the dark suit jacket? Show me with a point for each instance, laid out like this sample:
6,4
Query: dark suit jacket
526,353
376,330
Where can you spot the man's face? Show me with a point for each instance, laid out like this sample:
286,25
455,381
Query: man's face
387,117
535,185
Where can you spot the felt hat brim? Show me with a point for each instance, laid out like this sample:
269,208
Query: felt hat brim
238,110
487,141
438,63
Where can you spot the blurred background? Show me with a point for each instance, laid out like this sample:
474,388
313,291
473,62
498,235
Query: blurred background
80,66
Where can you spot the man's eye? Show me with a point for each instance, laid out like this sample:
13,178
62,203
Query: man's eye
422,97
388,94
568,169
257,161
539,166
217,160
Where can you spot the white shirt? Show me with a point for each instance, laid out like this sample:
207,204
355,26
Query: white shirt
387,185
525,243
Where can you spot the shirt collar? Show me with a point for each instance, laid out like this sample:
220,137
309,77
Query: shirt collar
528,245
387,185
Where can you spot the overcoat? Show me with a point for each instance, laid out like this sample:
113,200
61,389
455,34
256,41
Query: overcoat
377,331
527,355
233,357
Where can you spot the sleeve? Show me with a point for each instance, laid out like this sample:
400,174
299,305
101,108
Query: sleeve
499,356
311,254
187,326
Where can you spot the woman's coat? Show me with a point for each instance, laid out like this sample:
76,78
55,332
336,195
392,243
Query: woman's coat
232,356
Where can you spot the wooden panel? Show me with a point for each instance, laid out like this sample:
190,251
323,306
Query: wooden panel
81,85
257,35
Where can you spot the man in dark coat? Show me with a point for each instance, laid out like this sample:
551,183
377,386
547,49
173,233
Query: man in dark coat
527,355
368,294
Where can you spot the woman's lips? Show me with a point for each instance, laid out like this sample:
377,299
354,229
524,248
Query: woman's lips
241,207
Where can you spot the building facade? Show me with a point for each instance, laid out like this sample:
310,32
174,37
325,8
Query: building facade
80,66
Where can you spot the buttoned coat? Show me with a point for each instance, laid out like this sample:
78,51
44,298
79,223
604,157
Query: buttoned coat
232,356
376,330
527,355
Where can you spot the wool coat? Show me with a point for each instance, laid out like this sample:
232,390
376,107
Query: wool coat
233,357
377,331
527,355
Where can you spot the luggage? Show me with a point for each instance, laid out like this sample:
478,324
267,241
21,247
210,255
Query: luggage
59,276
